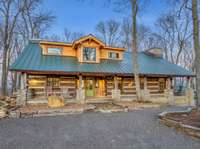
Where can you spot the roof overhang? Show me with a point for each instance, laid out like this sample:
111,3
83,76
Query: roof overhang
98,73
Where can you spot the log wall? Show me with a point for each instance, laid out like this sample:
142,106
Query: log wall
128,86
36,86
156,85
40,86
109,86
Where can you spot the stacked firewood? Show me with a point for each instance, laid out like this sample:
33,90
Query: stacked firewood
6,103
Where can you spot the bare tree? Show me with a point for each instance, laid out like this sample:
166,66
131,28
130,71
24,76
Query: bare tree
195,19
134,4
175,32
108,31
146,38
125,33
144,34
10,11
70,36
21,21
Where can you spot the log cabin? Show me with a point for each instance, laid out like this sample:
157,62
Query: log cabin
88,70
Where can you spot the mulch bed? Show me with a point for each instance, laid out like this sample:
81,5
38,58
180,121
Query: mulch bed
192,118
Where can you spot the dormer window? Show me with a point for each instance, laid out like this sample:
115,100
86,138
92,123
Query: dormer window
54,51
113,55
89,54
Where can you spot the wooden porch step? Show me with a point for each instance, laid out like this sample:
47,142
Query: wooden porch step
96,101
37,101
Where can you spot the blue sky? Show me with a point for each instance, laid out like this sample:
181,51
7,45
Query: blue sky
83,16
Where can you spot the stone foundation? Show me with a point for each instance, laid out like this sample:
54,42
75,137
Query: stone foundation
169,95
21,97
116,94
80,95
145,95
190,97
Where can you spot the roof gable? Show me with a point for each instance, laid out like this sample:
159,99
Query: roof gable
86,38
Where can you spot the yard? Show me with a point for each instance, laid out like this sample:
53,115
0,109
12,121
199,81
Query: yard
139,129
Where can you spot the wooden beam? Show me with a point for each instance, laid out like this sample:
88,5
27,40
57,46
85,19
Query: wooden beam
80,82
115,83
145,83
188,83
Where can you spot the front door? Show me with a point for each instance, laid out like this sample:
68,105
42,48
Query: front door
89,88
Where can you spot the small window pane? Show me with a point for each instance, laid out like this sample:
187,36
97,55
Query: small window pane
89,54
56,51
113,55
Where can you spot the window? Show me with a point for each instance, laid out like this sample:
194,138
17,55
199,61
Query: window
89,54
161,85
54,51
53,81
113,55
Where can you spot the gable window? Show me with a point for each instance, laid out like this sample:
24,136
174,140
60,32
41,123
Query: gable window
54,51
113,55
89,54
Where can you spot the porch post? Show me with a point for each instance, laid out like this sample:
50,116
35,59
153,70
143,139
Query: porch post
169,93
146,91
115,83
80,93
80,82
189,92
188,83
116,92
21,93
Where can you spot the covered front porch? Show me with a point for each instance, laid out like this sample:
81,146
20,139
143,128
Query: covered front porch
91,88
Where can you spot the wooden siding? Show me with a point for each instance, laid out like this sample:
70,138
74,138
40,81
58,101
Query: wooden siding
128,86
69,84
104,54
39,86
91,44
66,50
109,86
154,85
77,50
36,86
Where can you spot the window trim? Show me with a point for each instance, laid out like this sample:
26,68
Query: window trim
61,49
92,61
117,55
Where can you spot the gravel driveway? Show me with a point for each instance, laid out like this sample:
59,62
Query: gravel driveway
133,130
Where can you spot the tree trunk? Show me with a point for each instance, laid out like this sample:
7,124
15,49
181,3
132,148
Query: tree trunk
14,82
196,47
4,72
134,47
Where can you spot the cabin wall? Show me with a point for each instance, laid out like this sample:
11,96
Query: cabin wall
67,50
104,53
88,44
156,85
109,86
77,51
128,86
41,86
153,89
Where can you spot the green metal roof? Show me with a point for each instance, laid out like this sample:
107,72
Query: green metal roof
32,59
